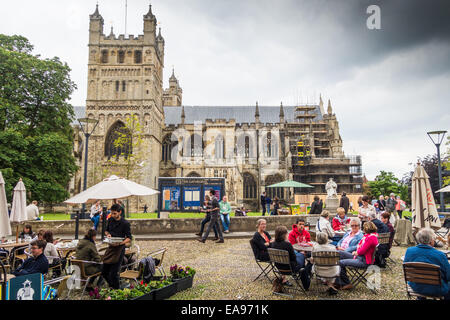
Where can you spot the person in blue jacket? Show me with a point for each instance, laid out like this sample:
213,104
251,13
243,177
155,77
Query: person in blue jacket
424,252
38,263
350,240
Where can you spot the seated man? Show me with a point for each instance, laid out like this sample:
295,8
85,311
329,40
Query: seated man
299,234
424,252
38,263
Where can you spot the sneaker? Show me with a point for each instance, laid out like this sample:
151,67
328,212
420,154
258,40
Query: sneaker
201,240
220,241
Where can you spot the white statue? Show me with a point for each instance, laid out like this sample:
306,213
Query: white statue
331,188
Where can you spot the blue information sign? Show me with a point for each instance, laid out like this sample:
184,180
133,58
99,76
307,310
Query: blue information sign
28,287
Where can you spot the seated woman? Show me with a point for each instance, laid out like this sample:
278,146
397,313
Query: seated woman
362,257
324,225
51,253
27,233
340,221
425,252
328,272
350,240
262,240
87,251
296,259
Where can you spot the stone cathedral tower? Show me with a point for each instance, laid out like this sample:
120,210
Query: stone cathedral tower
125,77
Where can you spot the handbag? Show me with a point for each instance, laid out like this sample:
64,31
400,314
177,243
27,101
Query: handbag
112,254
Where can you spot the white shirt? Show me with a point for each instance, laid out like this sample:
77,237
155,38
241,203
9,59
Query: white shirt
94,210
50,251
324,225
32,212
363,213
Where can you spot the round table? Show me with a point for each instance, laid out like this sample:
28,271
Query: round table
298,247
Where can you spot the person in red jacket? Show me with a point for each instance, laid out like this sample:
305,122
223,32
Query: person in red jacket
341,220
299,234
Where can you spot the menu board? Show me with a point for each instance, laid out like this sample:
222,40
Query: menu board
192,196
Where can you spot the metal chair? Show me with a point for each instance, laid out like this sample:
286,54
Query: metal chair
16,257
324,259
133,275
281,258
359,275
422,273
264,270
159,266
83,277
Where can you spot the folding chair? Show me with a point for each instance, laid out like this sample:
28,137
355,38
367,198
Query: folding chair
422,273
133,275
359,275
281,257
444,231
324,259
83,277
264,270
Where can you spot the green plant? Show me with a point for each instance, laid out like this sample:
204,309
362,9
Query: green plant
178,272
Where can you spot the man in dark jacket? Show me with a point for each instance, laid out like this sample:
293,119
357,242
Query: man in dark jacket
263,203
345,202
38,263
316,206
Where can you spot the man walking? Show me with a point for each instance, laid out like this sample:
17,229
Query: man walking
345,202
215,210
263,203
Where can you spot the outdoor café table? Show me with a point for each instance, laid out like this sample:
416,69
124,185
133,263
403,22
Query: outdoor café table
14,245
298,247
339,233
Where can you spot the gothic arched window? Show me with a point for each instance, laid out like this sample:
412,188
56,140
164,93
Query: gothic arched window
167,147
274,192
112,149
219,147
249,186
138,56
104,56
195,145
121,56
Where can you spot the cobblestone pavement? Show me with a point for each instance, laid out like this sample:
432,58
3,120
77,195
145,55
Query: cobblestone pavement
226,271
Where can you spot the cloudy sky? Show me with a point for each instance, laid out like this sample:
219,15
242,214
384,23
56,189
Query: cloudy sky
387,87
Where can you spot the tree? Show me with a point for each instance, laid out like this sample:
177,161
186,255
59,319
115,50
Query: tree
386,183
446,164
36,136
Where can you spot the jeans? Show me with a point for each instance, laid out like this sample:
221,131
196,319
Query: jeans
213,223
95,220
111,272
225,221
300,259
204,222
347,260
335,240
268,208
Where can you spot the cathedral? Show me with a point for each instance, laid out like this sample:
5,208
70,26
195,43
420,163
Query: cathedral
250,146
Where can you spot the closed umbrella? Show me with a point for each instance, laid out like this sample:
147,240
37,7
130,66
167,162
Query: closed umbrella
19,205
5,226
424,212
111,188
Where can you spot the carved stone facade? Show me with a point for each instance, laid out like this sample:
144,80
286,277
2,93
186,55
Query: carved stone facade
252,147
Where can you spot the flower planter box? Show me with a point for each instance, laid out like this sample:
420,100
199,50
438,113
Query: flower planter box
147,296
184,283
165,292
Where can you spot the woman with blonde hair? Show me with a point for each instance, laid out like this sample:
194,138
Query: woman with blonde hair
262,240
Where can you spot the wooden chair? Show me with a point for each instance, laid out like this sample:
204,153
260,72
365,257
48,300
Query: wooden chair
82,276
133,275
422,273
324,259
264,270
383,239
281,257
18,257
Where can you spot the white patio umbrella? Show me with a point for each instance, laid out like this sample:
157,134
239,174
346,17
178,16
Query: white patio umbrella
424,212
5,226
19,205
444,189
111,188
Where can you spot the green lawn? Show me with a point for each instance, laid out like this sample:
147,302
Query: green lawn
153,215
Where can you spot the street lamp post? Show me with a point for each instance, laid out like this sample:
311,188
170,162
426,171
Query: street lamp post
439,136
88,126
